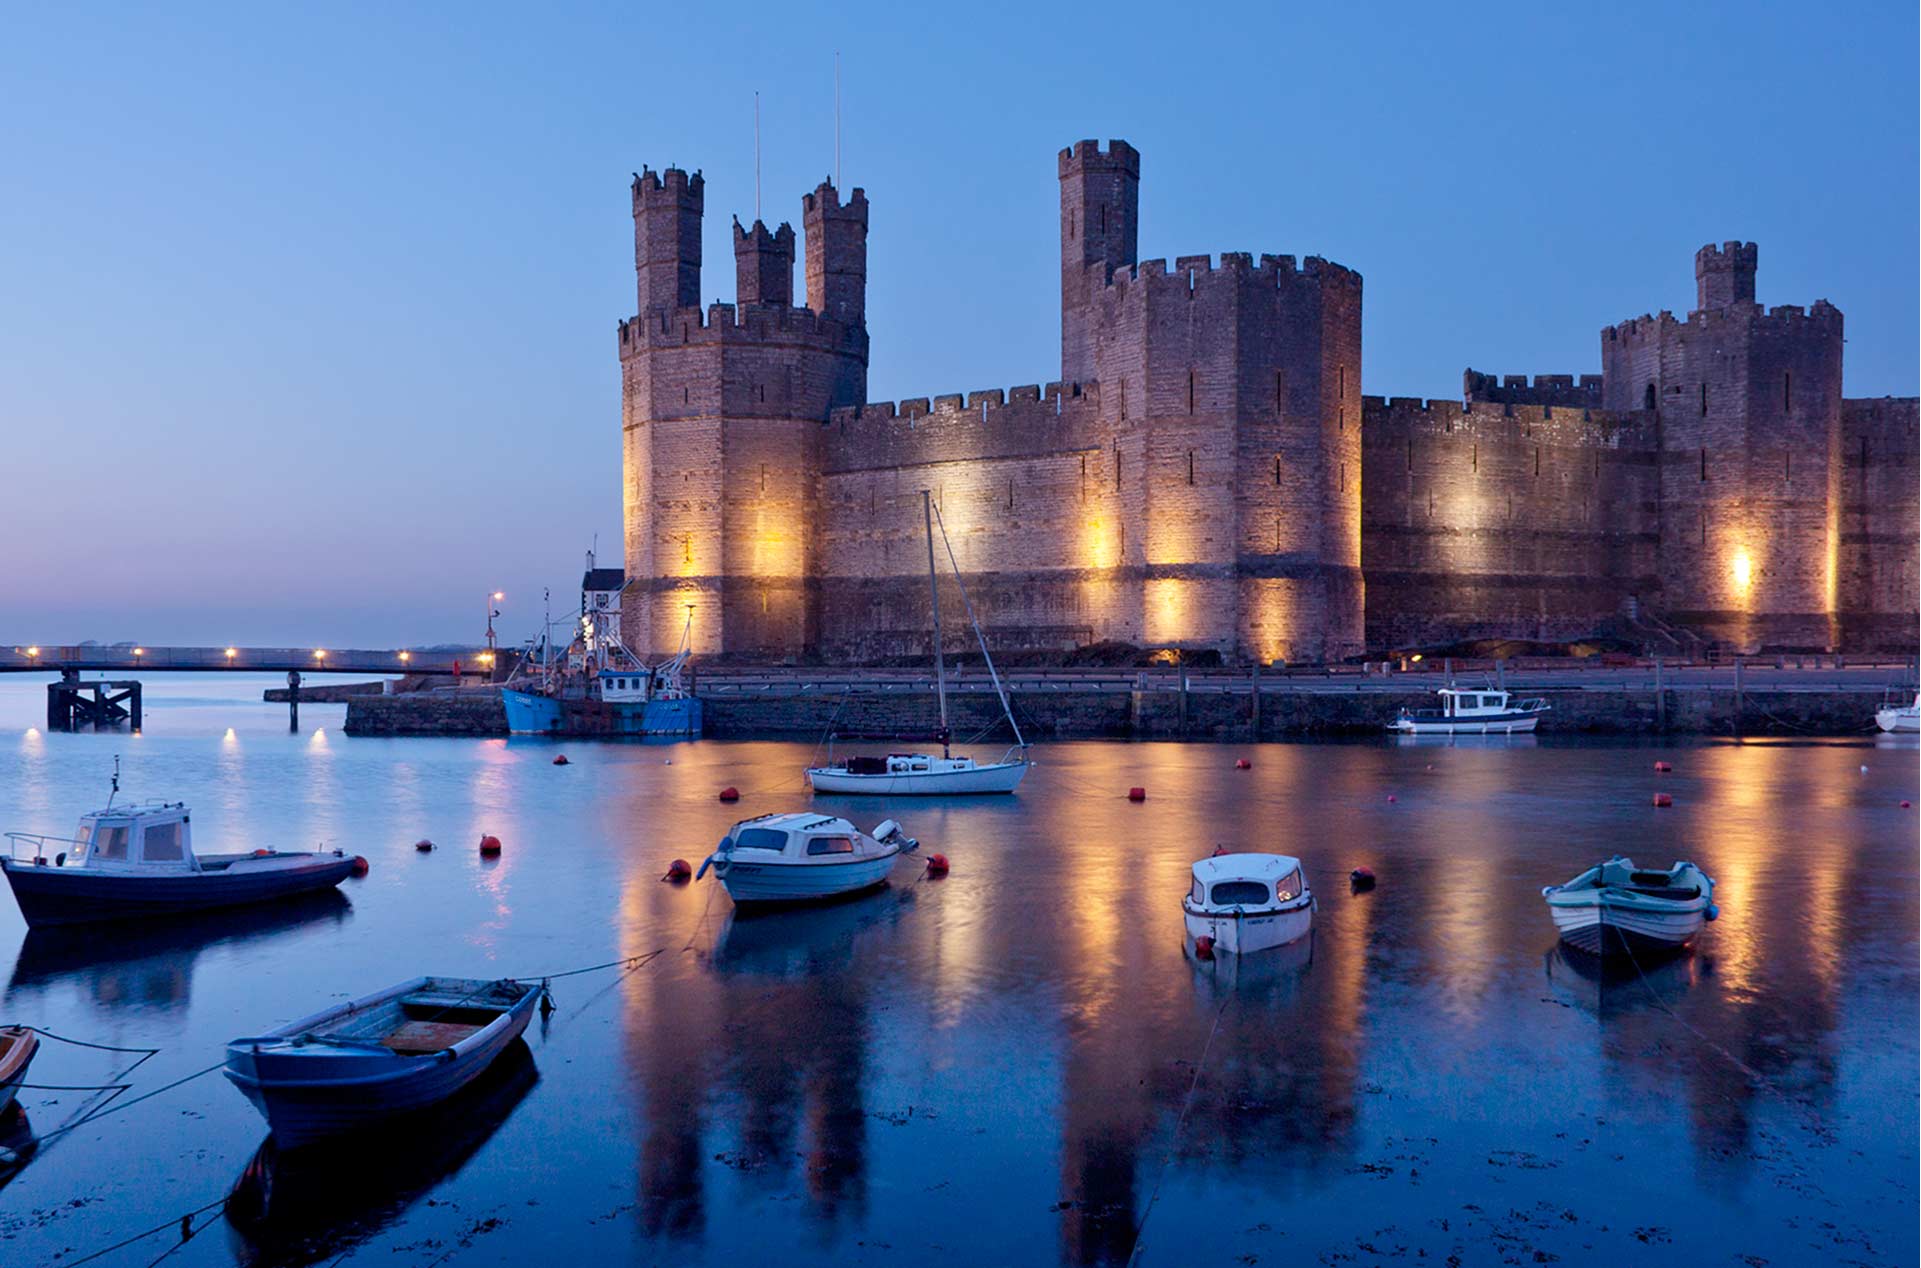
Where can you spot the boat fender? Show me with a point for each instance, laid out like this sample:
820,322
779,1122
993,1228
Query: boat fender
937,865
678,871
1663,799
1204,947
1137,794
261,854
60,859
423,845
730,793
360,866
1714,912
490,845
704,865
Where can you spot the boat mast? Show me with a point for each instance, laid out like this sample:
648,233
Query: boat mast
981,638
933,589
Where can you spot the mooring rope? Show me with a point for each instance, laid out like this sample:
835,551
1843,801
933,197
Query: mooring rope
1180,1127
182,1222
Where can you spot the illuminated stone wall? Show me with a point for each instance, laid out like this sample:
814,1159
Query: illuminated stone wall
1880,523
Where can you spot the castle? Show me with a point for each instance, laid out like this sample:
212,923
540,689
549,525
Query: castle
1207,476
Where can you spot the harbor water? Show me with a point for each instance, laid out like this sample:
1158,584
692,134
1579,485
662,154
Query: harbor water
1018,1063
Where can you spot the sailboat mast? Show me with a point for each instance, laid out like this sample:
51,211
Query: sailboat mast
933,589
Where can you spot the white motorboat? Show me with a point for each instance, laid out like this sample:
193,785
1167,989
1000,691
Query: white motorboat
790,858
1903,719
1620,908
1472,711
922,774
1247,902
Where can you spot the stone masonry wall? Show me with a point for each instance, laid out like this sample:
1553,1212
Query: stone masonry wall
1880,524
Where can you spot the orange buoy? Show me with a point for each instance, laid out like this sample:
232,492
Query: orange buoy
1218,851
937,865
1662,799
1137,794
1362,878
1243,764
560,759
1204,947
360,866
1663,767
263,854
490,844
730,793
423,845
678,870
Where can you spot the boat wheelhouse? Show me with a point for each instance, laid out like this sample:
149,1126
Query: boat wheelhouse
1243,903
1472,711
138,859
803,858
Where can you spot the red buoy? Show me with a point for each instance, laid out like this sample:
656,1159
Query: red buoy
1218,851
1392,797
423,845
1243,764
937,865
560,759
1204,947
678,870
1663,767
360,866
1662,799
730,793
1137,794
1907,805
1362,877
490,844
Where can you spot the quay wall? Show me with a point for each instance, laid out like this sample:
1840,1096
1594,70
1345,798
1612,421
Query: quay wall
469,712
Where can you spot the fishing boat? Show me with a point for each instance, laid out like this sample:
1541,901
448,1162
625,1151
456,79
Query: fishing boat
923,774
1618,908
17,1046
1472,711
787,858
599,687
1902,719
1242,903
360,1064
137,860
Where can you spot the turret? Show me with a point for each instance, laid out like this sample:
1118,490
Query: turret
667,211
764,264
1724,275
1100,225
836,253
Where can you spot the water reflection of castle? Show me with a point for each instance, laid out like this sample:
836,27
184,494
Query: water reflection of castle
765,1059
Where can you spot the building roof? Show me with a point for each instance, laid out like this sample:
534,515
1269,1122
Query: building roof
603,579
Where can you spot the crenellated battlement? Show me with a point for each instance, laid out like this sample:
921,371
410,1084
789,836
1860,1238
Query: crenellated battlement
987,425
1821,317
1088,156
665,329
672,185
1192,272
1565,390
1392,420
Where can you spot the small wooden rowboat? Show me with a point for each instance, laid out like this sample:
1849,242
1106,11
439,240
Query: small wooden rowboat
17,1046
1620,908
359,1064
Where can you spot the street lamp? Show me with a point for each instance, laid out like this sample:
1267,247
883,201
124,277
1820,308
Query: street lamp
319,654
33,653
492,612
231,653
405,657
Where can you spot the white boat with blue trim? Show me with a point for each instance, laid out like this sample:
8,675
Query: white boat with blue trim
1242,903
1618,908
790,858
361,1063
1472,711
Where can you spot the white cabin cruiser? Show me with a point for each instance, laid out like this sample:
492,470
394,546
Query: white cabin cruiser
922,774
1244,903
786,858
1902,719
1618,907
1472,711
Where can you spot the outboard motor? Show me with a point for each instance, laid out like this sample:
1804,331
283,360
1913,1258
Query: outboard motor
888,830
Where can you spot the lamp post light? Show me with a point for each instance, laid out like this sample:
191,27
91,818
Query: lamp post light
492,612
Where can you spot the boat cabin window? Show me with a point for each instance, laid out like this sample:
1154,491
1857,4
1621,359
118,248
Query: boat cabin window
1199,895
110,843
1289,887
160,843
1239,894
760,839
830,845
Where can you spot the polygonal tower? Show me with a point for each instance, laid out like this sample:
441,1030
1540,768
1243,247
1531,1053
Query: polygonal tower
1100,232
1747,402
721,412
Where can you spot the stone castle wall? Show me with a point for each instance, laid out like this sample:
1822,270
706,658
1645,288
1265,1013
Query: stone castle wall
1880,528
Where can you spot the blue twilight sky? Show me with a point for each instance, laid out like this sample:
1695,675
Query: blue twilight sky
307,317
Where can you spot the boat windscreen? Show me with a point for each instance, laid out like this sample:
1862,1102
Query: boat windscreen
760,839
1238,894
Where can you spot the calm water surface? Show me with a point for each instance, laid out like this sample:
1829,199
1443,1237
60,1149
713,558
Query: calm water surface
1017,1064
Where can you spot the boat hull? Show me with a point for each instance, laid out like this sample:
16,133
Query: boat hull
1604,928
13,1065
1903,721
532,714
1503,724
1246,932
997,777
762,883
66,896
353,1094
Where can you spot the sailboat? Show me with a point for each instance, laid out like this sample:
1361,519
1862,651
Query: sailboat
923,774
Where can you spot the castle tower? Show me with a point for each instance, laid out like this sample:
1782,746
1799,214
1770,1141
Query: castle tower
721,425
836,254
764,264
1100,228
1724,276
1747,404
667,212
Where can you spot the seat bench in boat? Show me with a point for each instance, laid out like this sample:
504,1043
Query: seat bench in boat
418,1038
